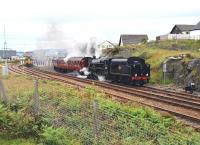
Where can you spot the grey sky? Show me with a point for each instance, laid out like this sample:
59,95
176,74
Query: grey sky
28,21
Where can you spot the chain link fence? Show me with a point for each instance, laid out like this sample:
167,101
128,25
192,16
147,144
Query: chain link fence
86,115
94,124
88,120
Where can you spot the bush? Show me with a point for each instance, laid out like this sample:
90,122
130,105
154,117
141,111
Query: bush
54,136
18,124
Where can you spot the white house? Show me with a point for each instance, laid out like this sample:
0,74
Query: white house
182,32
196,29
131,39
106,44
182,29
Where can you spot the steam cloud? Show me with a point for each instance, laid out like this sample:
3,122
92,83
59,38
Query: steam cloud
56,44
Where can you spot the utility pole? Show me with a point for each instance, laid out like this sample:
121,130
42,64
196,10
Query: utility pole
5,43
5,68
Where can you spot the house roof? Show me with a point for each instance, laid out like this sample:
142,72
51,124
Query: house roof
106,41
183,27
132,39
197,26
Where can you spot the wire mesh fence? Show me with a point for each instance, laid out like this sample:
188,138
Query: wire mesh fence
85,119
86,114
93,124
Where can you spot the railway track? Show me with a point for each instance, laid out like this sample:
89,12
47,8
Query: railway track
174,95
151,89
184,106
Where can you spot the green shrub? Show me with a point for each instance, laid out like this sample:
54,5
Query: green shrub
18,124
54,136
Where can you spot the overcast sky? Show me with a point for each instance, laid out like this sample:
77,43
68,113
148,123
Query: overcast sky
28,23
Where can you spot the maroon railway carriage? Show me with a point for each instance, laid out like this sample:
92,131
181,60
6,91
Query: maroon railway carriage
72,64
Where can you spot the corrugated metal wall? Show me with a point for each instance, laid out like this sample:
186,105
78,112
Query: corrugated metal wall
7,53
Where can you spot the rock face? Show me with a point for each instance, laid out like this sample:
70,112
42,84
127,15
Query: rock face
183,73
193,69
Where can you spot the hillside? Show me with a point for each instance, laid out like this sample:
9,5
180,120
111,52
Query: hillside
191,45
155,53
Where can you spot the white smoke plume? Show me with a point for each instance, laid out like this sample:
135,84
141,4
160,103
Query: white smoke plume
88,49
84,71
55,43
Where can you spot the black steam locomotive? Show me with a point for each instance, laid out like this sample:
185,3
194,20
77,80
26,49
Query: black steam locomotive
132,70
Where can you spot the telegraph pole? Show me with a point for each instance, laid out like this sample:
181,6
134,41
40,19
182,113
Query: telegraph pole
5,69
5,43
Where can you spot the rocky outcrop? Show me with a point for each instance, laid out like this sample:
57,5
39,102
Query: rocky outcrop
183,73
193,69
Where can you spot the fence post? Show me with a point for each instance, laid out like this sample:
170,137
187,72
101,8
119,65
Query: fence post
5,97
95,118
36,101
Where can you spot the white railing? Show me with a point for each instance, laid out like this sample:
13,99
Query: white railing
179,36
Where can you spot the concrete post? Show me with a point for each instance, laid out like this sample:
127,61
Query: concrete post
95,118
5,97
36,101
